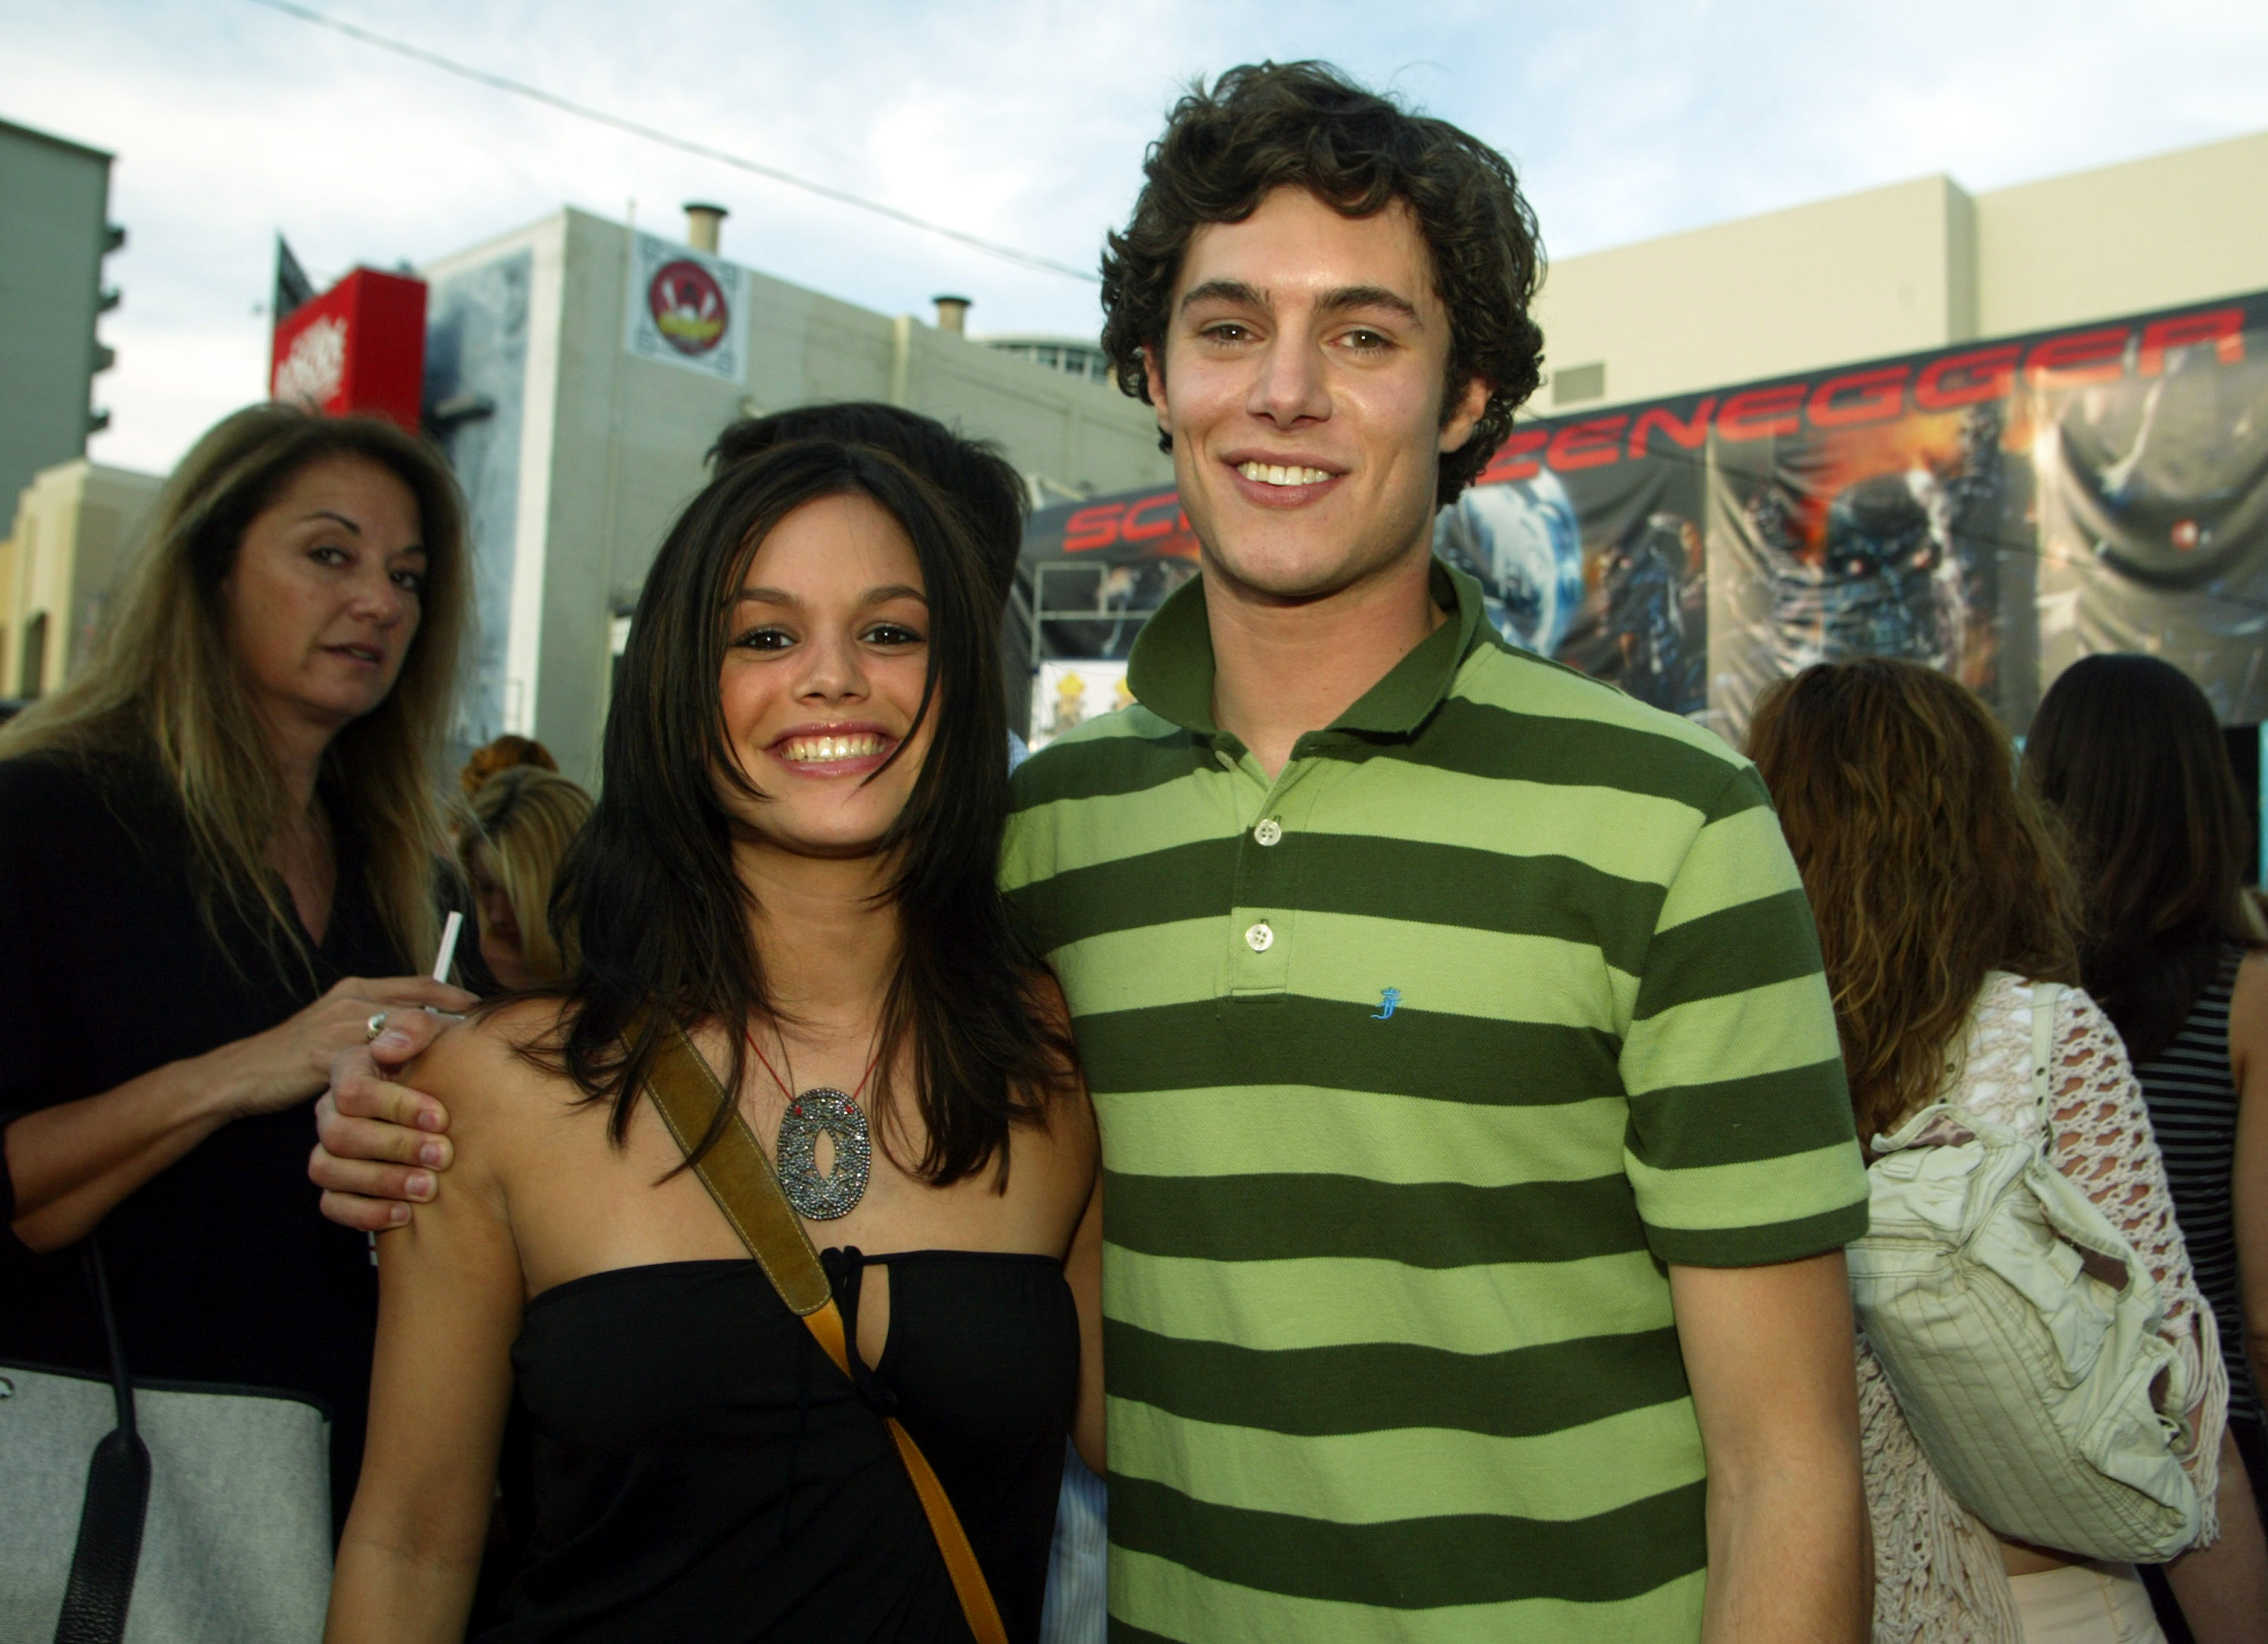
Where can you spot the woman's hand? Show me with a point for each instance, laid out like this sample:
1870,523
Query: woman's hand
72,1163
291,1062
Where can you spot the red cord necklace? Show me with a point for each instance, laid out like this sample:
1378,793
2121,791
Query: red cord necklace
826,1110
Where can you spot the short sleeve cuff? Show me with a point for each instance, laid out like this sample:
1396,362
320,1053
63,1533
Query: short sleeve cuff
1760,1246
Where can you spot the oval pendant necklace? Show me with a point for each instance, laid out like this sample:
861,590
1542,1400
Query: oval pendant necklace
822,1110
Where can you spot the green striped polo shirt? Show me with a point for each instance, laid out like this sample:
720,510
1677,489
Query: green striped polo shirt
1414,1066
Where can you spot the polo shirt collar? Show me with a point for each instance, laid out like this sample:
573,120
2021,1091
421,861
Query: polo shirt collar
1170,669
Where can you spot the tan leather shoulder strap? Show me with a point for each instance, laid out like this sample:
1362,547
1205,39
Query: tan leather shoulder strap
736,1173
685,1092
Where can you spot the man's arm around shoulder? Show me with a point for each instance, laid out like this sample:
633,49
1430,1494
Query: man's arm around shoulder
382,1145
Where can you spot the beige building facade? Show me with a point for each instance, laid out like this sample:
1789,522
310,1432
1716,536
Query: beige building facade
1895,270
76,525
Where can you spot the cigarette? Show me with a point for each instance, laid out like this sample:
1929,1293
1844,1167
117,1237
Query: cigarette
449,934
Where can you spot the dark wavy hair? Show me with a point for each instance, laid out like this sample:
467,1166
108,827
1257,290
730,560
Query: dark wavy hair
1927,866
650,887
1306,125
971,472
2129,753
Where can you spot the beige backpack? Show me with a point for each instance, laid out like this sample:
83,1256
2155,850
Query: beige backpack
2020,1330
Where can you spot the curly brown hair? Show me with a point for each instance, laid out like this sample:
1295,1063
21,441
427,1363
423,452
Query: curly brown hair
1927,866
1268,126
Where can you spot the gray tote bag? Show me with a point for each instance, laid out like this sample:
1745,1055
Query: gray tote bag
149,1512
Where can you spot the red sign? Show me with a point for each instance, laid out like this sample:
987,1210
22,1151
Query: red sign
360,346
688,307
1151,526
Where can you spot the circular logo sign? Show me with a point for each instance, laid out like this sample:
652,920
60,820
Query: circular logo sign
688,307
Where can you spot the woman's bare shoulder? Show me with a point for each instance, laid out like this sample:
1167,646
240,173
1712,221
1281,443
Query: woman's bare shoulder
481,1068
1043,995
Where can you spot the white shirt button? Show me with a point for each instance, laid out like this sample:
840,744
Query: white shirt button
1259,938
1268,830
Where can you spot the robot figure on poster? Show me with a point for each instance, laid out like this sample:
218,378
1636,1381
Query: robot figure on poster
1651,588
1897,571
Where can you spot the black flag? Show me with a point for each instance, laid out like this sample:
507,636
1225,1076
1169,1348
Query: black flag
293,286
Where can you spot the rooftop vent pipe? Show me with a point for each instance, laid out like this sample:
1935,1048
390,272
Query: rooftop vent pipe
951,314
702,222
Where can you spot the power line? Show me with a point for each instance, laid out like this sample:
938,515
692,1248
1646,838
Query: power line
651,133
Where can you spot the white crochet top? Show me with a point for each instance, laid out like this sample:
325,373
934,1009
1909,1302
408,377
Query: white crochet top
1938,1573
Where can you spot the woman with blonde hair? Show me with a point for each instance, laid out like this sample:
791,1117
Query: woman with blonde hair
506,752
1942,901
218,848
519,825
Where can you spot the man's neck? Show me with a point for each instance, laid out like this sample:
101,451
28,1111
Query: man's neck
1283,669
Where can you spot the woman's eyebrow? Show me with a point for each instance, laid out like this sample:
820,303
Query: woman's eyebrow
325,513
873,597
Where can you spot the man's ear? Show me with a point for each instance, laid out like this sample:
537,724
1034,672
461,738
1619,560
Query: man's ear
1154,381
1464,415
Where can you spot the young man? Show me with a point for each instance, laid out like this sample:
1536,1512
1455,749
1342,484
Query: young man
1478,1162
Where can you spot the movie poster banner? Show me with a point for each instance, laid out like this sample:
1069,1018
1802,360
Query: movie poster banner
1995,510
2000,510
1090,575
1600,568
1874,512
2149,449
1592,558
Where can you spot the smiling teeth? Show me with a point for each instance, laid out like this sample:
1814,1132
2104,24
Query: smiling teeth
820,749
1275,473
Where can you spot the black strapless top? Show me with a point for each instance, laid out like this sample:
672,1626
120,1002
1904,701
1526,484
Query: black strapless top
702,1471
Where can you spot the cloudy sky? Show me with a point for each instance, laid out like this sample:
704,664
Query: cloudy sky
1021,123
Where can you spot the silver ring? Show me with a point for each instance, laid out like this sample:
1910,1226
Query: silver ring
372,1028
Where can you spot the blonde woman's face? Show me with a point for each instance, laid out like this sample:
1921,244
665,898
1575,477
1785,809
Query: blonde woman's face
503,948
326,593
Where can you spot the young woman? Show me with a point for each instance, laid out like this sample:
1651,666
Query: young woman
519,827
218,851
791,859
1941,898
2128,753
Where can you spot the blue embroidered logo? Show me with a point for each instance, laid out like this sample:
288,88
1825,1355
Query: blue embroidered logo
1392,997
